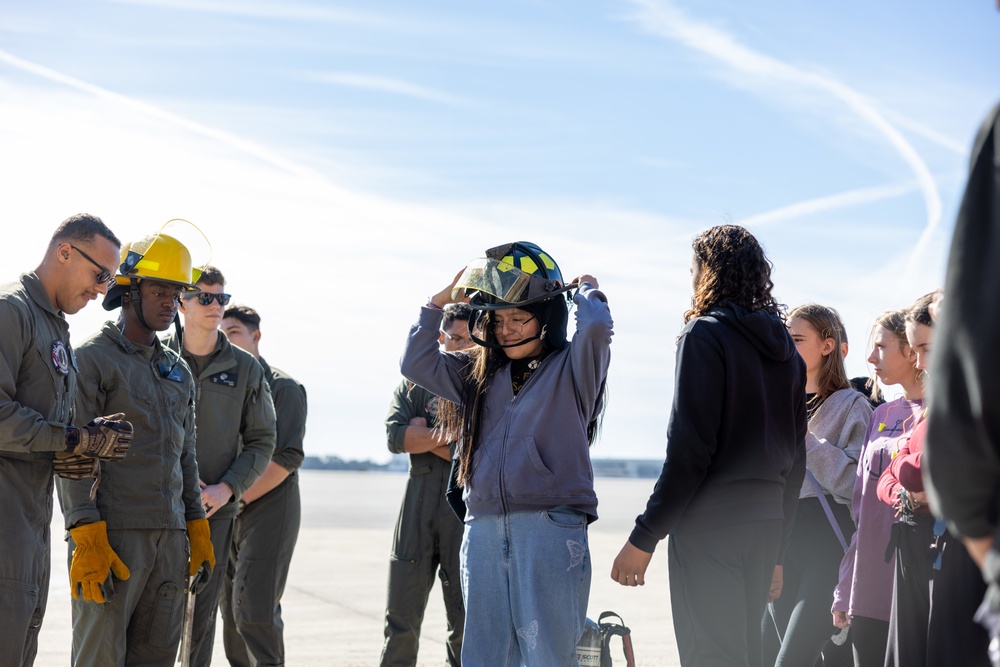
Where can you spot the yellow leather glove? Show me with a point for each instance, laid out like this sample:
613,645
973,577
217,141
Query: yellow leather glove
202,553
93,559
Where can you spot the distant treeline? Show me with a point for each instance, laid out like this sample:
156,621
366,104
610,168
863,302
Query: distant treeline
602,467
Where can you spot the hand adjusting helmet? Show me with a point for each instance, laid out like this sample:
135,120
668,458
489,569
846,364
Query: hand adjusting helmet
516,275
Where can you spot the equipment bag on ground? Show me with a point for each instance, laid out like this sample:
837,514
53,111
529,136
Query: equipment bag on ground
594,648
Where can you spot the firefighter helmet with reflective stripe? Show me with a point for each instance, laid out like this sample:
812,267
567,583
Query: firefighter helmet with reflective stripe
156,257
510,276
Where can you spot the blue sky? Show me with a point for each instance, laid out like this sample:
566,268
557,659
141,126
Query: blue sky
345,159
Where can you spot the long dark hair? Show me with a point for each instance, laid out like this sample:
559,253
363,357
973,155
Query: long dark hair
464,422
733,268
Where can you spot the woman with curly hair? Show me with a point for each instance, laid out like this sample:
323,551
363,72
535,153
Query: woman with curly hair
735,459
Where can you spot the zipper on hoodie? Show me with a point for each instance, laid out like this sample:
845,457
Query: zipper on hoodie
506,430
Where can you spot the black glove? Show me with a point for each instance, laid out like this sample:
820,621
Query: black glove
108,438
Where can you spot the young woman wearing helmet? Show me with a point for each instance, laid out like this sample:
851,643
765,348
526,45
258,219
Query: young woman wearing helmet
525,404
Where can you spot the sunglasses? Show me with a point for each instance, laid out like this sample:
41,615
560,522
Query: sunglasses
105,276
206,298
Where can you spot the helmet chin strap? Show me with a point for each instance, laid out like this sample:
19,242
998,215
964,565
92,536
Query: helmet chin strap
136,300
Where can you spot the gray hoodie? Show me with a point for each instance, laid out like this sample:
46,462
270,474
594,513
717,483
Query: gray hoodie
533,452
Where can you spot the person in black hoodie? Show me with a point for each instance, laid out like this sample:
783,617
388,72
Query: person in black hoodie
735,459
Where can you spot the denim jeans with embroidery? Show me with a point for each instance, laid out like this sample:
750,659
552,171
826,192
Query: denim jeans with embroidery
526,581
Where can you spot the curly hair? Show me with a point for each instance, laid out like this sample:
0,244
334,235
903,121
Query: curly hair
733,268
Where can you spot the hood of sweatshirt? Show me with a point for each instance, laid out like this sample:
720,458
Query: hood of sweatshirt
765,330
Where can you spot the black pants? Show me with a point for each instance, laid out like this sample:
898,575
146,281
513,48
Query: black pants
953,638
869,637
811,570
911,593
932,609
719,582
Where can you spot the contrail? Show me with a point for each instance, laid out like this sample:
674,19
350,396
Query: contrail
662,19
226,138
828,203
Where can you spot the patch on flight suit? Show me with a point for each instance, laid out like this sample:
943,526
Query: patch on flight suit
60,357
431,407
225,377
169,372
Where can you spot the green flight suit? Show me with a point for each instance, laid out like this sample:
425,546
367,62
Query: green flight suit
428,538
146,500
264,540
236,434
37,389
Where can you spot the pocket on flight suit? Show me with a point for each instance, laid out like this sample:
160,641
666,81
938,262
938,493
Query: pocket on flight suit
167,616
18,601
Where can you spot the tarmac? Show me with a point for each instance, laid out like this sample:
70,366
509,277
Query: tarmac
334,601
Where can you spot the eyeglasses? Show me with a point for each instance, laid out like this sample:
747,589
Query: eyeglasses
513,326
206,298
105,276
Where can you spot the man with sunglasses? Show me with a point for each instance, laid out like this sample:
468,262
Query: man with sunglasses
428,535
236,432
268,524
37,392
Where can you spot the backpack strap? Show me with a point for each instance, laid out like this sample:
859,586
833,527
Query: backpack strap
611,629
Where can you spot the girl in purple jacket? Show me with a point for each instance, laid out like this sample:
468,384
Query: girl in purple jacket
525,405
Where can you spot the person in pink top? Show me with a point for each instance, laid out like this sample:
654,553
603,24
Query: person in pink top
863,597
937,588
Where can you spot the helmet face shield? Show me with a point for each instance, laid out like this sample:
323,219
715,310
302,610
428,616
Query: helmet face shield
499,279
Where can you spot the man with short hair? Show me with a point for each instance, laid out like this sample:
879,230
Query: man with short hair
236,432
428,535
37,391
268,523
134,544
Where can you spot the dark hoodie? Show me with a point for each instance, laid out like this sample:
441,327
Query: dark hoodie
736,437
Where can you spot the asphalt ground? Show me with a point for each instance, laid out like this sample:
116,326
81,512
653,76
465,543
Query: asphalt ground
334,601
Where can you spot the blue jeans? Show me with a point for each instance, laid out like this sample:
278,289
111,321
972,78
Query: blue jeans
526,581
